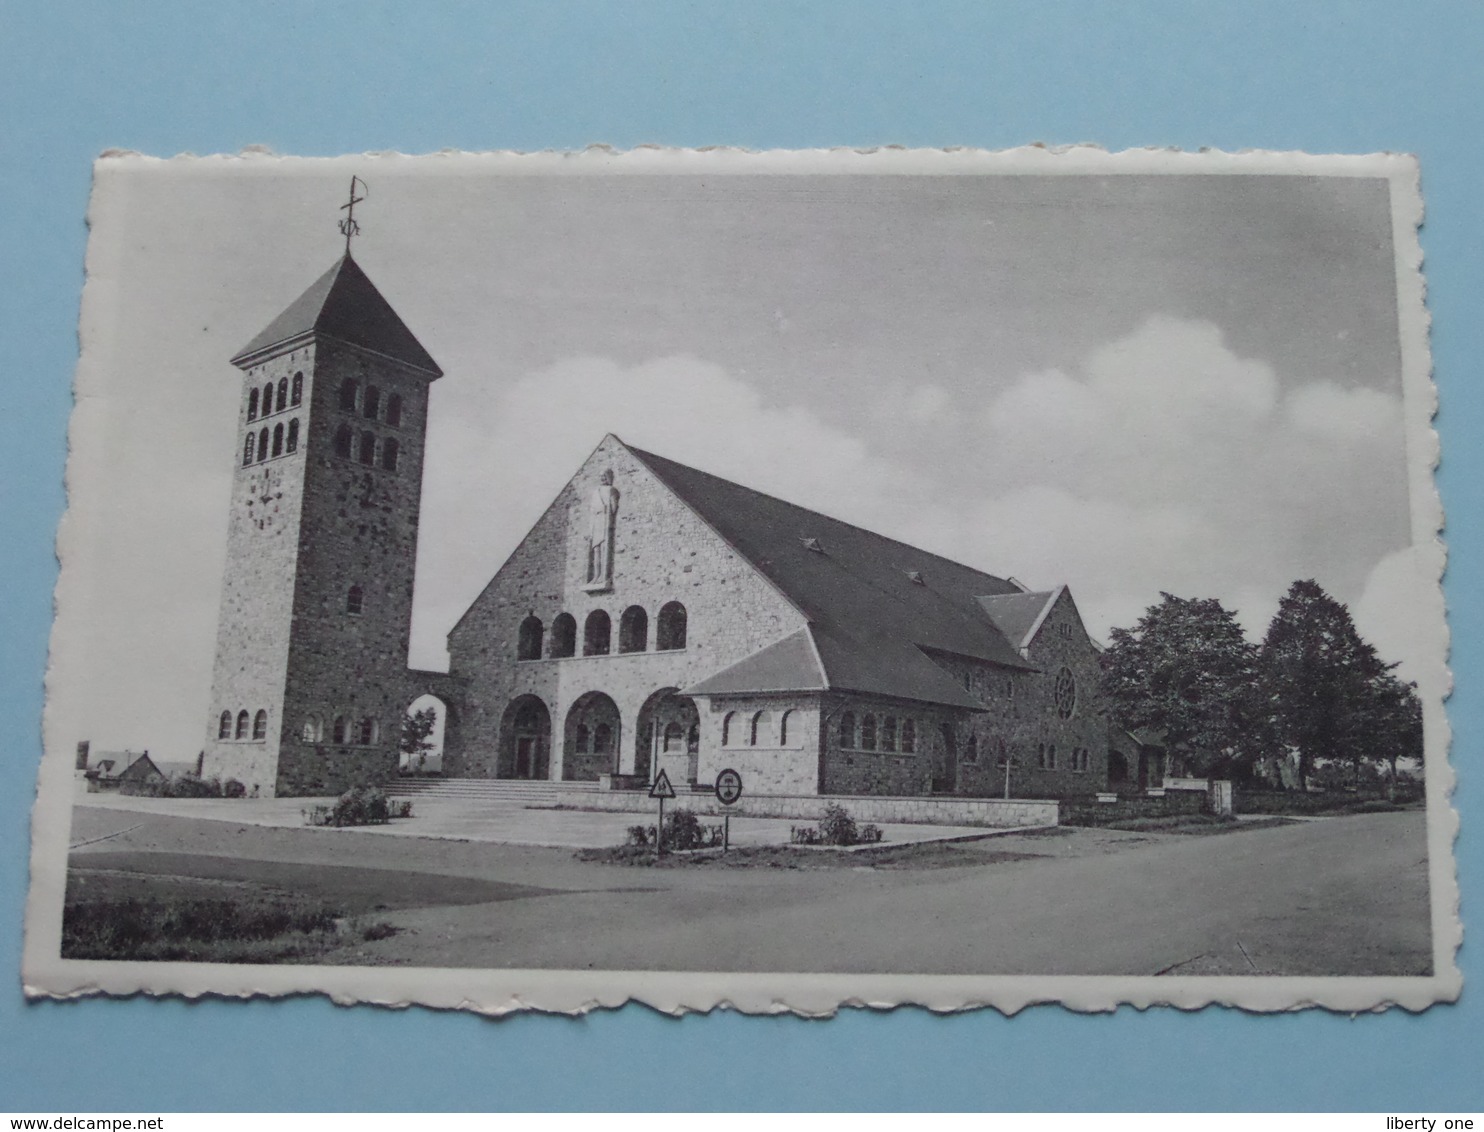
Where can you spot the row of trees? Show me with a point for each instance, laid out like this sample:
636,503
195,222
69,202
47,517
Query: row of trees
1314,687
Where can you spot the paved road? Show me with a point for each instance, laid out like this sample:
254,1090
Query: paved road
1343,896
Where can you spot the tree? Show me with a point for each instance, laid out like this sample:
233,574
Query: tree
1187,669
1323,683
417,727
1393,726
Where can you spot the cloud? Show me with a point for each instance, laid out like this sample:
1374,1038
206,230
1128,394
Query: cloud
1400,611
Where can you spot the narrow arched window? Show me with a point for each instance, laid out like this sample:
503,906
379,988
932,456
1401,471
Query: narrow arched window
283,394
729,729
909,736
633,630
344,441
1050,756
296,394
278,439
371,403
563,635
263,444
367,452
868,733
248,447
595,634
971,749
354,600
762,723
369,733
847,729
348,392
528,646
267,401
603,739
291,442
312,732
243,723
783,723
390,451
340,732
394,410
580,739
674,737
670,633
252,404
889,733
260,725
224,726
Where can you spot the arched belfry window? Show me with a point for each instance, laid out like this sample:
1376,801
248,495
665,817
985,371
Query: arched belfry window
347,396
563,635
369,732
847,729
367,452
313,731
296,393
267,401
596,631
339,733
354,600
394,410
783,726
283,394
390,451
260,725
344,441
291,442
670,632
633,630
224,726
242,725
529,645
249,446
263,444
278,439
762,724
371,403
252,404
729,729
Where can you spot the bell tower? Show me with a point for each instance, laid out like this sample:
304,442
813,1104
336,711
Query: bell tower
311,678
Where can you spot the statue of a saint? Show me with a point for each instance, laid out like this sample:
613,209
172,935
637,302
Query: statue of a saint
601,512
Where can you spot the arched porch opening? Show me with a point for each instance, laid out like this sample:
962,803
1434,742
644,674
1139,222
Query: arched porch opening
525,739
420,741
591,737
669,736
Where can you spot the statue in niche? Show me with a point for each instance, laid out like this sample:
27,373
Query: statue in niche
601,513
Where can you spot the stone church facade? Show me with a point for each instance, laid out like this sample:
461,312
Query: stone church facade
655,617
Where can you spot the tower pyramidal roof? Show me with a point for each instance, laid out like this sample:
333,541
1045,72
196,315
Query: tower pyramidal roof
345,305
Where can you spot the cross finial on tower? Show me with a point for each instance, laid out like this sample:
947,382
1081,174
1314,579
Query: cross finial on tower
348,225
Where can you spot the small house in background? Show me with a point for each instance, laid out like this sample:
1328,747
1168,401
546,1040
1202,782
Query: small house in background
1138,760
128,772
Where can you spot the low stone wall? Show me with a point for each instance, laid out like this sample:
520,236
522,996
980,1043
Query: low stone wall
1168,804
993,813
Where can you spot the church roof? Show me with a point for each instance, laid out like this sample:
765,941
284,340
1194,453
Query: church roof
873,603
1019,615
344,304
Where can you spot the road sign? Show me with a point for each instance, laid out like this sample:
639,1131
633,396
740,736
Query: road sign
662,787
728,786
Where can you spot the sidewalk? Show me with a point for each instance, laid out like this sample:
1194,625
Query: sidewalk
508,823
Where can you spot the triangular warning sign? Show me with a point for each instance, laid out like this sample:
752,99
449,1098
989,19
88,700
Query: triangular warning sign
662,787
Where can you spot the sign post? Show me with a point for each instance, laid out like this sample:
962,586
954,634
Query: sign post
1007,764
728,790
661,790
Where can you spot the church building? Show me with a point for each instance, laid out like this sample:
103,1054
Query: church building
655,617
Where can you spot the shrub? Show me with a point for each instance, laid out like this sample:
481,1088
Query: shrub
640,835
836,827
188,785
233,789
683,830
361,805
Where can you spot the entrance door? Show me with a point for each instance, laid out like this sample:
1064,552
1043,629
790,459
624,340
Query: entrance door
945,766
525,749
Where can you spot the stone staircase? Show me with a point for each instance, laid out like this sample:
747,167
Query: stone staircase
519,791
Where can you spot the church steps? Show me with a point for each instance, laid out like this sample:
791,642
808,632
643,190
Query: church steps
526,791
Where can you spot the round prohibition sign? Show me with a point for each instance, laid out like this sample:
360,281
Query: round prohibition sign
728,786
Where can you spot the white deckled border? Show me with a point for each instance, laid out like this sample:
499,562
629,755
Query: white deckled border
497,992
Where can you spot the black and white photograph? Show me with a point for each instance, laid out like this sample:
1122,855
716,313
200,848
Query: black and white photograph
782,580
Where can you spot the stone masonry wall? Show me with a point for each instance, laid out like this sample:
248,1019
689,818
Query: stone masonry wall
662,552
993,813
768,766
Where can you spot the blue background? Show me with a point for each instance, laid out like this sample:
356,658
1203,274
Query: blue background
339,77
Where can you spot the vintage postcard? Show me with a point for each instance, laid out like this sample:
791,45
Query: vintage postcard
781,581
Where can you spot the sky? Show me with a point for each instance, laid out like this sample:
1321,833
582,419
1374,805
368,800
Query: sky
1126,383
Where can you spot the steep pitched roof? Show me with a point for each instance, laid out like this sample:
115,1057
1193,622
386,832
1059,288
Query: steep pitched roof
1019,615
342,303
873,603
